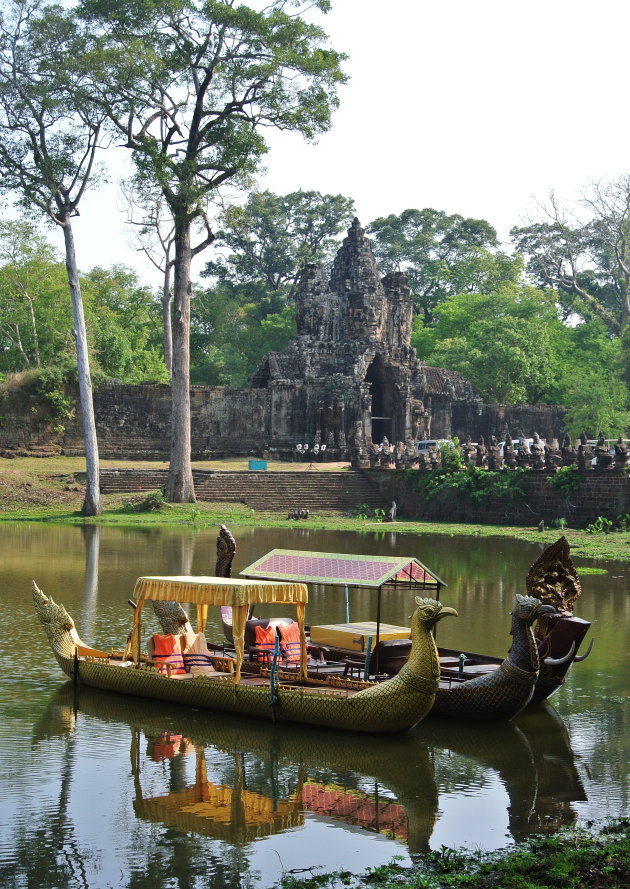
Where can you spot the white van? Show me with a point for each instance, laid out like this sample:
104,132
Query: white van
423,446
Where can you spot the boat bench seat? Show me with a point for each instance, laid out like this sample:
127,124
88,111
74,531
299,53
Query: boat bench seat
191,657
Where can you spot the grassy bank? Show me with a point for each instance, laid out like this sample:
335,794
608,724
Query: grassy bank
46,490
571,860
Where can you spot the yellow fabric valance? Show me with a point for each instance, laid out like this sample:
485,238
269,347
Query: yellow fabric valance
218,590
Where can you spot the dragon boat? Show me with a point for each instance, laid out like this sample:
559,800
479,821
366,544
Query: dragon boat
546,634
221,683
557,632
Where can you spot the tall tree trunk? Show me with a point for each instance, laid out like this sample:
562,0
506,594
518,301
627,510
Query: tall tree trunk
31,311
92,502
17,342
166,317
179,486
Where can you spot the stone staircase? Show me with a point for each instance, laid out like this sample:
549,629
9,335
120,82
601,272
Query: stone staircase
264,491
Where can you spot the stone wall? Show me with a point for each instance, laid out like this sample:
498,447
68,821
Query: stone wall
601,493
27,426
133,422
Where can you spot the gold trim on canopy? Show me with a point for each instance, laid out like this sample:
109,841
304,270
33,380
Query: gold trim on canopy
218,590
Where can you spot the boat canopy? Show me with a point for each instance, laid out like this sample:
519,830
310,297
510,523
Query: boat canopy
218,590
347,570
205,591
339,569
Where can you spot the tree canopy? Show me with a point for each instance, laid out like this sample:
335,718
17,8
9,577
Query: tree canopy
441,255
191,86
50,133
500,341
271,236
585,256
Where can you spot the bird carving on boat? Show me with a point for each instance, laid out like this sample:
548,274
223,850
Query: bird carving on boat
506,690
407,697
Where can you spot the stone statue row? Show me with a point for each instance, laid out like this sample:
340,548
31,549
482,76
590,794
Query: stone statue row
522,453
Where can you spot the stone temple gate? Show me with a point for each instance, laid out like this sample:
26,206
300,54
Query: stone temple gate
351,375
348,379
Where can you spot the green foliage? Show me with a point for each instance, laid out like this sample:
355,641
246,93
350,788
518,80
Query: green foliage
231,332
585,258
50,384
560,523
451,456
475,484
501,341
512,346
623,521
441,255
603,525
271,236
364,512
153,502
597,401
567,480
123,319
591,381
35,310
570,860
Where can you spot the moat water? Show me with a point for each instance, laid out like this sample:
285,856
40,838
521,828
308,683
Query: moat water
102,791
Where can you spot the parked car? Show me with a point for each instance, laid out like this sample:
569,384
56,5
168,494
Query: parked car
425,444
515,443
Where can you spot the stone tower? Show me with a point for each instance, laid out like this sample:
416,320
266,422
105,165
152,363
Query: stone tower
351,368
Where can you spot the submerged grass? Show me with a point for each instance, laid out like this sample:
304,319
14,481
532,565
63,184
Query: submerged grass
577,859
46,490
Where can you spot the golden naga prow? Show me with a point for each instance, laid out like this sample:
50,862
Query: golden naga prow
331,701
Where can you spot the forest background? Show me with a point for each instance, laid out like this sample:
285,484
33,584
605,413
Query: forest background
520,325
189,87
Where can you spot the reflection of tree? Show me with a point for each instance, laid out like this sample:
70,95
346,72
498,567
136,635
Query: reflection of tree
180,553
91,538
47,853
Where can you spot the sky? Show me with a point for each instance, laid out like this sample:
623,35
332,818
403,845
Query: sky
477,107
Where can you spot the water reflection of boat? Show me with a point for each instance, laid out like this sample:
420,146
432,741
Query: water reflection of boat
229,812
380,784
385,785
533,757
333,702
